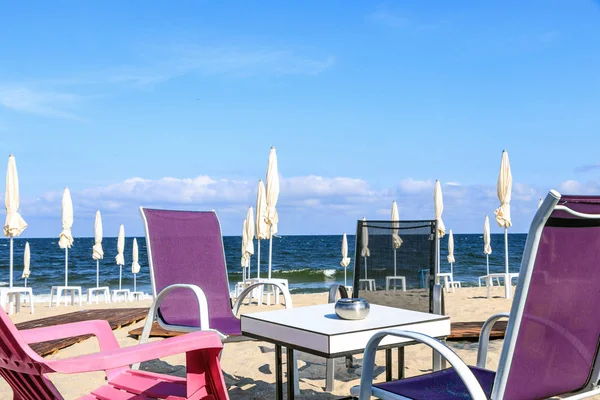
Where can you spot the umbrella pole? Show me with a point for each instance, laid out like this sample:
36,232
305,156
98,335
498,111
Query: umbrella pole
345,272
365,267
120,274
258,261
97,273
487,263
134,287
270,250
395,262
10,278
66,266
25,282
507,283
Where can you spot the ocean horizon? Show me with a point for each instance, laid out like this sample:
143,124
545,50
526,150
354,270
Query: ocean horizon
310,263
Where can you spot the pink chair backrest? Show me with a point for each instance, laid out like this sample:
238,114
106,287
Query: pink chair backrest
21,367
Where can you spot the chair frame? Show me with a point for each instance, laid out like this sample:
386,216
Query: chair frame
366,389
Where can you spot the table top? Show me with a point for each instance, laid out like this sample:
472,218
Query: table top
318,330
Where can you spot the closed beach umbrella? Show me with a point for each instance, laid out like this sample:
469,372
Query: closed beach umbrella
249,242
249,227
345,259
396,241
97,252
262,229
451,259
504,190
120,258
135,265
65,240
364,244
14,224
26,262
272,195
438,205
244,243
487,243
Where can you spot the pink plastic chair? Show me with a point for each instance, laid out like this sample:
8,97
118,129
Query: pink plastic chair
25,370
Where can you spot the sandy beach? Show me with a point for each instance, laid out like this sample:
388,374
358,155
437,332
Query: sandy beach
248,366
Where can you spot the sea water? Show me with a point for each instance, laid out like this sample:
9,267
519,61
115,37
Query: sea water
309,263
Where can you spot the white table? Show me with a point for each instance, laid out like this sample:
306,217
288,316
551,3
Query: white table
104,290
448,280
490,277
58,291
318,330
125,292
370,284
13,295
136,296
395,279
266,281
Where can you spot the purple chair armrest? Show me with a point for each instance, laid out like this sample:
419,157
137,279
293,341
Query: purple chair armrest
99,328
123,357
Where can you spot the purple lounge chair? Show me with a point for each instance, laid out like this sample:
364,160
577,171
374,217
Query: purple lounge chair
189,274
552,338
25,371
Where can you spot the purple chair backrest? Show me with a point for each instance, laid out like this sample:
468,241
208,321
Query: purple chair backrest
21,367
187,247
557,339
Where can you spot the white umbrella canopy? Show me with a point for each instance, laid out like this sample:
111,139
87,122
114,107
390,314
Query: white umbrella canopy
438,205
26,263
135,265
249,231
451,259
345,259
504,190
14,224
65,240
364,244
396,241
135,257
244,260
272,195
262,229
120,258
97,252
487,243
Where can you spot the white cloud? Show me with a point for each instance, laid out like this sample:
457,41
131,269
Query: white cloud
409,185
44,103
307,204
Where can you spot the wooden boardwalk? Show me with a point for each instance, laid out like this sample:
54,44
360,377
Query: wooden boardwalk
116,317
460,331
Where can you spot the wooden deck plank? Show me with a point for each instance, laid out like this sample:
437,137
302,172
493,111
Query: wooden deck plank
466,331
116,317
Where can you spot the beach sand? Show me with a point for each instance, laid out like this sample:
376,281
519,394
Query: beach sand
249,366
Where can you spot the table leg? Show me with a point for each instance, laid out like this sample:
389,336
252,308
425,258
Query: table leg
388,365
329,374
400,362
290,373
278,373
18,302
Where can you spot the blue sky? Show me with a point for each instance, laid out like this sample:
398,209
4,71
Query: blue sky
177,104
